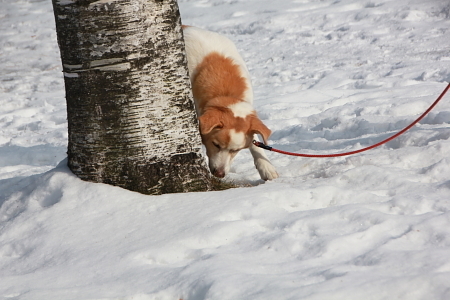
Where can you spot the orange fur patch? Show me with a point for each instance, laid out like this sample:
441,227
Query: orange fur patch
218,76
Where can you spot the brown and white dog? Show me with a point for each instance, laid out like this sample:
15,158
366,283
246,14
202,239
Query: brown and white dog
223,99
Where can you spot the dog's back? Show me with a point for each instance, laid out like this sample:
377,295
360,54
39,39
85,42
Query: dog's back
201,44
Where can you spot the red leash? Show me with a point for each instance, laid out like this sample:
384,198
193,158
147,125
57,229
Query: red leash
262,145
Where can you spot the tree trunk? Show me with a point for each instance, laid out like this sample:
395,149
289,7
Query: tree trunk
130,112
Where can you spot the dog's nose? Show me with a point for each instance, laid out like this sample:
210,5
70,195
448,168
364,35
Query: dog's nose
219,173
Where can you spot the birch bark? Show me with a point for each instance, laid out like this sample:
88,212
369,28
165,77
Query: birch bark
130,111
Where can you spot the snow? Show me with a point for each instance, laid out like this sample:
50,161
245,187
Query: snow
328,76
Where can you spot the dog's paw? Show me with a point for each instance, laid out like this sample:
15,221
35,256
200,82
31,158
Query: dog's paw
266,169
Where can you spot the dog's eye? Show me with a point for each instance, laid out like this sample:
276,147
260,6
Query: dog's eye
216,145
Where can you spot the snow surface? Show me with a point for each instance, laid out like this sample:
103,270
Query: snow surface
328,76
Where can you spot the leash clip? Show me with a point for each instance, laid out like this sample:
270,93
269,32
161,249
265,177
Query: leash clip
261,145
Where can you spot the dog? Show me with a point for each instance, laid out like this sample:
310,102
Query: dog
223,98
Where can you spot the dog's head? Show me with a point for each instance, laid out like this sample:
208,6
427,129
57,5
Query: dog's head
225,134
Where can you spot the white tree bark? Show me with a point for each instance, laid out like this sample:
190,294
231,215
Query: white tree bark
131,116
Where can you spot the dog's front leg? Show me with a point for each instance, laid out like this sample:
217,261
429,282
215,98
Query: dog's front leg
262,163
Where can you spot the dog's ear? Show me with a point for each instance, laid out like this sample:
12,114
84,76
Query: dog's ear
208,121
258,127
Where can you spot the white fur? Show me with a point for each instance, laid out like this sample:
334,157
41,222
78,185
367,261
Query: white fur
262,163
237,140
221,162
241,109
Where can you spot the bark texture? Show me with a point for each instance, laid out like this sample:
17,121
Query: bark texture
131,116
